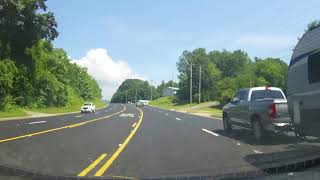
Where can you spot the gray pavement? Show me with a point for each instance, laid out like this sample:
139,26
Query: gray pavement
122,141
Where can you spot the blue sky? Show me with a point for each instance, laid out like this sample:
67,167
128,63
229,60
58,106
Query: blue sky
146,38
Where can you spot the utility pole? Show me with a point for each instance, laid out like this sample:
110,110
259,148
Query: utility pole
136,96
200,85
190,84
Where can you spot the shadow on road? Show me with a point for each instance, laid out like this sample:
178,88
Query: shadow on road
246,136
293,157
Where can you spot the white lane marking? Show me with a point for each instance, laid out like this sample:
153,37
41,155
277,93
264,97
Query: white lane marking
37,122
119,144
166,114
238,144
257,152
134,124
78,116
210,132
126,115
178,119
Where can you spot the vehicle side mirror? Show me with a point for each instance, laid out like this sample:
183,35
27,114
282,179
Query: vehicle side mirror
235,100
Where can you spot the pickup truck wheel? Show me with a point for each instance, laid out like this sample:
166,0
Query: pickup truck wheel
258,132
226,124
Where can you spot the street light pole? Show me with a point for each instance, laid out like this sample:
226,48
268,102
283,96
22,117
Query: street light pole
200,85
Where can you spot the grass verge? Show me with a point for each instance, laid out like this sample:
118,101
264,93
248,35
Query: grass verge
212,111
202,108
12,113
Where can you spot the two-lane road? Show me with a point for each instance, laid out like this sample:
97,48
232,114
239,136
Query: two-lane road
126,141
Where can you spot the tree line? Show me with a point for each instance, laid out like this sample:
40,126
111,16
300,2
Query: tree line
224,72
32,72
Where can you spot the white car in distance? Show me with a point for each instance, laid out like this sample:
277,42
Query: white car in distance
88,107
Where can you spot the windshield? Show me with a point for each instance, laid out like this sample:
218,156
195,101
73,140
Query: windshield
266,94
181,89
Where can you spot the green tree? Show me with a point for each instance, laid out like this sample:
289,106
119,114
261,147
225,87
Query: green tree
131,86
231,64
22,24
313,25
8,72
209,75
273,70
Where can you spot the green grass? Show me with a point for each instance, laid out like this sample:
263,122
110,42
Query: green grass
213,111
166,103
67,109
12,113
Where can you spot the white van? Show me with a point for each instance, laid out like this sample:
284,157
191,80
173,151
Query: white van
304,83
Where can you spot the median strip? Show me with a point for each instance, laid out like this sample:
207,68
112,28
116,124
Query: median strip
93,165
61,128
105,167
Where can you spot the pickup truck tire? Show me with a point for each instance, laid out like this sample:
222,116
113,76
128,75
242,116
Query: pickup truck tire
226,124
258,131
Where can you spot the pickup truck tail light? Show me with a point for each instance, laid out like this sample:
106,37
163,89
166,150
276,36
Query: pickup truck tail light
272,111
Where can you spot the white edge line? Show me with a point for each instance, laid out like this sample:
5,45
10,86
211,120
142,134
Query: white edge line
178,119
210,132
134,124
37,122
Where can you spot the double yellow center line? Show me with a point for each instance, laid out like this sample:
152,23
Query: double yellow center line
61,128
115,155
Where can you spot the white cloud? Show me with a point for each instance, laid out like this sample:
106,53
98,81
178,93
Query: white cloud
266,41
108,72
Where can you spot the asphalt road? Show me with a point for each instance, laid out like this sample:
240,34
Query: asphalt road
125,141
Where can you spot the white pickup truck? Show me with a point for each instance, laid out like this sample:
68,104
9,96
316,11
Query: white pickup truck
88,107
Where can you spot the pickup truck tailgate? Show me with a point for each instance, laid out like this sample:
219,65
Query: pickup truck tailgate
282,111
